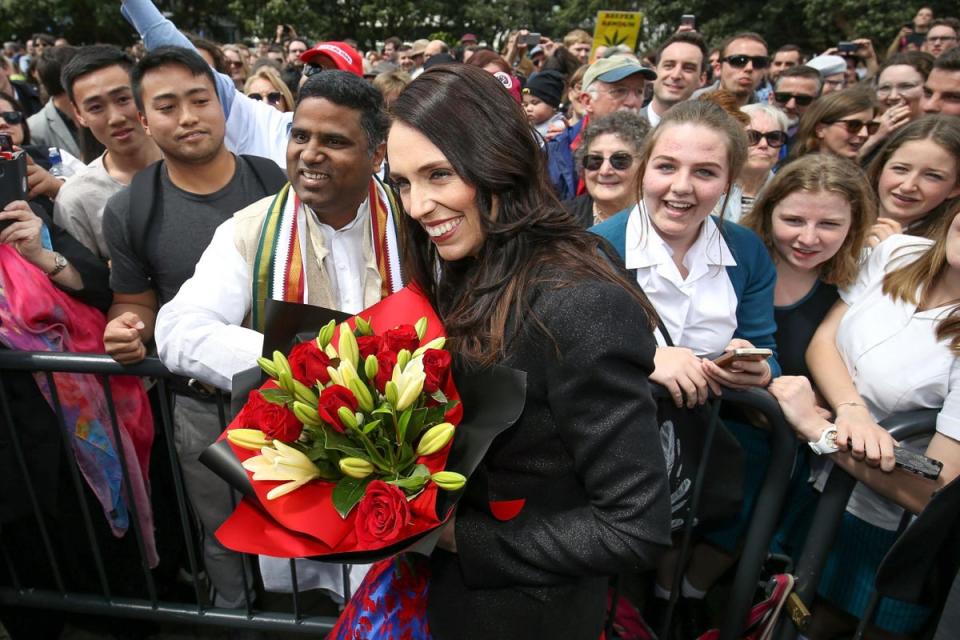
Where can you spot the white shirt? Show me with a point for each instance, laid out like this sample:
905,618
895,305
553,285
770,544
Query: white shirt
199,333
79,206
699,311
895,359
345,260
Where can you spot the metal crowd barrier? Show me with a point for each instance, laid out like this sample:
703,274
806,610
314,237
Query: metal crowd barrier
829,513
106,602
766,512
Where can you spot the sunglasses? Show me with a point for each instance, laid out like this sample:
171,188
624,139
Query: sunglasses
620,160
740,61
775,139
784,98
12,117
311,70
856,126
236,64
273,98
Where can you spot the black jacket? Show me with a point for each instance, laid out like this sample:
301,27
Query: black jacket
27,96
582,469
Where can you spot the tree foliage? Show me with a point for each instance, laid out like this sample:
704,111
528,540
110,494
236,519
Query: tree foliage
812,24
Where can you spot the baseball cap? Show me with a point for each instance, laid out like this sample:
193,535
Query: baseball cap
828,65
616,68
468,37
344,56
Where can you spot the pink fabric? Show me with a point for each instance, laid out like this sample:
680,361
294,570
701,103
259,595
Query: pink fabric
37,316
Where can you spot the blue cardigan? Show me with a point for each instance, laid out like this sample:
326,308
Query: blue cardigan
753,279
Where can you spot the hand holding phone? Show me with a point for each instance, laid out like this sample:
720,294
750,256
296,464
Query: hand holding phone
750,355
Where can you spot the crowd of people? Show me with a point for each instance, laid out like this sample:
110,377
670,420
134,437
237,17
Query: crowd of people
605,220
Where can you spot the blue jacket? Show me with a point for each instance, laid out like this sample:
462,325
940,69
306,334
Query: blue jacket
561,166
753,279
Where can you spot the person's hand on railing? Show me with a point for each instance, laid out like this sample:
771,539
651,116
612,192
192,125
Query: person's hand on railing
739,374
799,405
122,339
858,433
681,374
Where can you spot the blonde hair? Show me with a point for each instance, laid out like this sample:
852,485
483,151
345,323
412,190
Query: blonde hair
815,173
270,75
913,282
577,36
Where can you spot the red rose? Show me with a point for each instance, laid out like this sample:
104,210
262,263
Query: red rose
331,399
369,346
386,361
308,364
382,514
275,420
402,337
436,365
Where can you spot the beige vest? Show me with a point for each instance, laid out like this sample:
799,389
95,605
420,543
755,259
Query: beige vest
246,237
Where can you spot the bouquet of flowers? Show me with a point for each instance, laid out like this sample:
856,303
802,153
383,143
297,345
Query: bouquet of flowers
344,449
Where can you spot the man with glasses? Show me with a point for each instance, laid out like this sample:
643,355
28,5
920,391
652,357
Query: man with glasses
941,91
793,93
942,36
743,63
833,72
295,49
610,84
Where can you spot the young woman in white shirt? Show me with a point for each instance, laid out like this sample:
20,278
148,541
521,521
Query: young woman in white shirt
710,281
916,176
868,370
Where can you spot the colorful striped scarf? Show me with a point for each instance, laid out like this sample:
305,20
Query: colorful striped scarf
279,270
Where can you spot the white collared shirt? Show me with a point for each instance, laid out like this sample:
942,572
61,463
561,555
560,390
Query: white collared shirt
344,262
699,311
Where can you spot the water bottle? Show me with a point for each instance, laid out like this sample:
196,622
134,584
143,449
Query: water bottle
56,163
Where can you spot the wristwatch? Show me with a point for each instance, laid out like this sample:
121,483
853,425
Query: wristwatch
59,264
827,442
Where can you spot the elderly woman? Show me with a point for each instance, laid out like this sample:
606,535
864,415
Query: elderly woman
607,155
766,135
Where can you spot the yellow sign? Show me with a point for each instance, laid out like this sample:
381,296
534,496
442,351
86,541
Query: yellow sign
616,28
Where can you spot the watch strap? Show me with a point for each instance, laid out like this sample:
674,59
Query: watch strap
827,442
60,263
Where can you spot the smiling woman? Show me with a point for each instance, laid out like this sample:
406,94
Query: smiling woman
517,282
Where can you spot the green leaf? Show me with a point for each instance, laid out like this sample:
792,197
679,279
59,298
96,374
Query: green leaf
416,424
439,397
277,396
370,426
348,492
328,470
402,424
340,442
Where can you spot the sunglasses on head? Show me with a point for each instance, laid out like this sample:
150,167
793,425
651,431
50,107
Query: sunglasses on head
774,139
856,126
311,70
620,160
272,98
12,117
740,61
784,98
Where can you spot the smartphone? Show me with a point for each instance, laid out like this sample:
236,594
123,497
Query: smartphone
688,19
13,181
6,142
917,463
847,47
751,355
908,25
531,39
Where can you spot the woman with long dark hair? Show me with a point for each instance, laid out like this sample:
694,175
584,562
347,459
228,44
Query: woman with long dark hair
575,491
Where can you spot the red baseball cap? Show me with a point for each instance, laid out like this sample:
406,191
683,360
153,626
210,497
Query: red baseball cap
343,56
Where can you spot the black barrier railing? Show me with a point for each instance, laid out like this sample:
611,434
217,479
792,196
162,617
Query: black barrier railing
830,509
766,511
58,595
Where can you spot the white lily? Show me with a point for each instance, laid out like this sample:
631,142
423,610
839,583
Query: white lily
409,382
282,463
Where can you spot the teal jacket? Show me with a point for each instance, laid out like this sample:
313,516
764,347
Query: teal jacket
753,279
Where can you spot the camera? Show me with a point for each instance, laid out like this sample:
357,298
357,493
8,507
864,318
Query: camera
531,39
688,20
847,47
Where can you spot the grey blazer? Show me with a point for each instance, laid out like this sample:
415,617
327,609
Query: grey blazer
47,129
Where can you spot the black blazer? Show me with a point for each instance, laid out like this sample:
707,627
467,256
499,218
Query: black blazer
574,492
